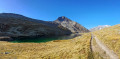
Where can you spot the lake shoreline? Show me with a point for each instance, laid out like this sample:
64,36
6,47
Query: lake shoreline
32,38
43,39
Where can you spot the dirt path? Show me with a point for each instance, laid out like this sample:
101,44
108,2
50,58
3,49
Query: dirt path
102,48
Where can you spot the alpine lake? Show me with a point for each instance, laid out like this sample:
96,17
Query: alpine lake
44,39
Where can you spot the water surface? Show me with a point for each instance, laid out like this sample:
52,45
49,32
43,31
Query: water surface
44,39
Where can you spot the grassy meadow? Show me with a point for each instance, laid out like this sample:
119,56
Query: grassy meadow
76,48
111,37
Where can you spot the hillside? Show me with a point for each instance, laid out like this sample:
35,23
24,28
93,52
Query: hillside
15,25
110,37
71,25
19,25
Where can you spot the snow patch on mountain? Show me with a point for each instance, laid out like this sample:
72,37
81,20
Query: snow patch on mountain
99,27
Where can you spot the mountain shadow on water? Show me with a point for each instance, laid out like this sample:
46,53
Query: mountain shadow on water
44,39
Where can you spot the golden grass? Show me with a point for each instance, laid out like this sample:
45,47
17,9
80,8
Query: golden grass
111,37
76,48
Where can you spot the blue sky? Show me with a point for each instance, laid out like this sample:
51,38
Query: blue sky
89,13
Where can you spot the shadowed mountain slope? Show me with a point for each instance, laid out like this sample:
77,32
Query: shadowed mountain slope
19,25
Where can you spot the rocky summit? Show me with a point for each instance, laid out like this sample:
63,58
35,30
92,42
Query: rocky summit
74,27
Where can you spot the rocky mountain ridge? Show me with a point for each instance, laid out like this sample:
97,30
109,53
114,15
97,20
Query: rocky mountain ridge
19,25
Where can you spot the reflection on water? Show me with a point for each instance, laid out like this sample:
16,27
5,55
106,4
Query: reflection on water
45,39
67,36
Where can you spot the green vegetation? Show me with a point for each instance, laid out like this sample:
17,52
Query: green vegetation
43,39
33,40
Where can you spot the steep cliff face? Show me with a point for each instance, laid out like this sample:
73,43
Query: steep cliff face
71,25
18,25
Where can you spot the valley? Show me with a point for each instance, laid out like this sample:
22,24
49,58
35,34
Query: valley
26,38
59,29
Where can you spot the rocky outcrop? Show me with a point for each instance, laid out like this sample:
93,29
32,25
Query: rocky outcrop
74,27
6,38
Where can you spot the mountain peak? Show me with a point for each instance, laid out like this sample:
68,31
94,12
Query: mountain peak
63,18
74,27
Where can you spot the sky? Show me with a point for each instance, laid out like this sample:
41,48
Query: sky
89,13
